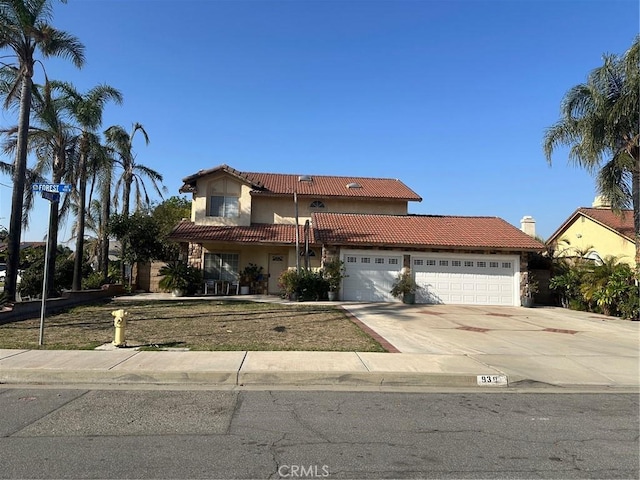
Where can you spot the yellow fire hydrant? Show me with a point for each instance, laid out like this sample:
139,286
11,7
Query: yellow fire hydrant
120,322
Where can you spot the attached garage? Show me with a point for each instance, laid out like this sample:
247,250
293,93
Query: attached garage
457,260
467,279
444,278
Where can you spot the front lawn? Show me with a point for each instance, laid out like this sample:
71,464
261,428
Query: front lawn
197,325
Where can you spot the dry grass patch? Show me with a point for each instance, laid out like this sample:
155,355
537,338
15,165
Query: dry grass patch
198,325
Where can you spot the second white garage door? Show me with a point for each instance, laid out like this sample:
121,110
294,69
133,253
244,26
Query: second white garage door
467,279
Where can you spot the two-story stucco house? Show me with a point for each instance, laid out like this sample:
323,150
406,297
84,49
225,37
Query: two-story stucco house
279,221
597,232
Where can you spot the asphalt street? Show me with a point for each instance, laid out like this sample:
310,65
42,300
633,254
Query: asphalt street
53,432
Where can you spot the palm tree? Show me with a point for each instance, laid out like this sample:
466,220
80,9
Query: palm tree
24,28
54,141
132,173
87,112
599,121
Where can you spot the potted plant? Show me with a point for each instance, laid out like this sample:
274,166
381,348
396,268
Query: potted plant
530,289
249,277
405,287
333,272
177,277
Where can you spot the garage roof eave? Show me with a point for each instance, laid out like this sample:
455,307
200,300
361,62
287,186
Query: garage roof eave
434,246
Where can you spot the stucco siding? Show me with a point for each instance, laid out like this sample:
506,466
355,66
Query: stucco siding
584,234
199,204
282,210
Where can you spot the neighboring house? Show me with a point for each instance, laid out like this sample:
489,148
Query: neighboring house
238,218
597,232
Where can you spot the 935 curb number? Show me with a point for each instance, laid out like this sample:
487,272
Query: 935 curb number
492,380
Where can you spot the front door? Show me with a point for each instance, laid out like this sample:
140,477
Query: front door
277,264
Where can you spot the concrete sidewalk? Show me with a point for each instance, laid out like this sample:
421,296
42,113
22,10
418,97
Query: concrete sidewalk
441,346
239,368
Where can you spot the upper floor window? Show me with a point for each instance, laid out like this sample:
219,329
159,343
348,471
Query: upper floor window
316,204
224,198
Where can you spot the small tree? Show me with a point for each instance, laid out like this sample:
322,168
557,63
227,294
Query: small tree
167,215
139,235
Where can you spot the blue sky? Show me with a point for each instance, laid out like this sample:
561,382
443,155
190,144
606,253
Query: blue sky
451,97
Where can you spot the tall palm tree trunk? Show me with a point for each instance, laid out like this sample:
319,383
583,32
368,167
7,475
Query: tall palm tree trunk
17,197
79,254
52,237
126,193
635,192
104,244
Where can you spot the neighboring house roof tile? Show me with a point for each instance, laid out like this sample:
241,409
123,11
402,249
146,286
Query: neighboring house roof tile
421,230
320,185
255,233
621,223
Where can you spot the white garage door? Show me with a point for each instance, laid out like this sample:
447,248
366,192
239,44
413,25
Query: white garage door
370,276
467,279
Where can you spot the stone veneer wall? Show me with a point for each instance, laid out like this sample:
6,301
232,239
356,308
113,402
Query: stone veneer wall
194,255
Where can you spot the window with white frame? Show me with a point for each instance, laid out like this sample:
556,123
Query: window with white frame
224,198
316,204
393,261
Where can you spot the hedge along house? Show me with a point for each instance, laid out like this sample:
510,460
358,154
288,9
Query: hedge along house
280,221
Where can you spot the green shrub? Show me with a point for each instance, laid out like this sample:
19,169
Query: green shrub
178,275
306,284
609,288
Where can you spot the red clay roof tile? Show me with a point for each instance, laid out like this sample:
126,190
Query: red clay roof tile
256,233
421,231
374,230
320,185
621,223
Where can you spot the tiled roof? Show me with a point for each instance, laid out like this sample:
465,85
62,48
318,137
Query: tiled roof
256,233
421,230
621,223
319,185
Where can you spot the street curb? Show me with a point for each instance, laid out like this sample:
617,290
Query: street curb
239,378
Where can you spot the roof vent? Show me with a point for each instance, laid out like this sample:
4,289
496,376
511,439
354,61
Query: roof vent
354,185
305,178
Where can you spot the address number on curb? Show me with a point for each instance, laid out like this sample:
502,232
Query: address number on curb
492,380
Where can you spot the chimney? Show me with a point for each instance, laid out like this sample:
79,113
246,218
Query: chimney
528,225
601,202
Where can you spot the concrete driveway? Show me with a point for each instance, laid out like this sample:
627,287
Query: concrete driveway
545,343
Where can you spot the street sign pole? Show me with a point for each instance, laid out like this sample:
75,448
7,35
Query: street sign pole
51,192
45,277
